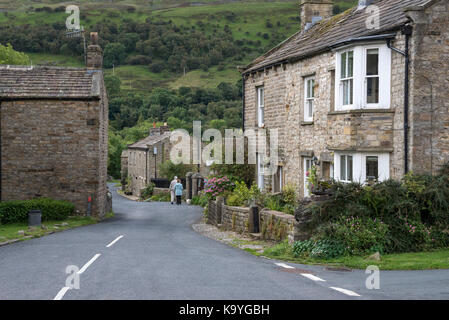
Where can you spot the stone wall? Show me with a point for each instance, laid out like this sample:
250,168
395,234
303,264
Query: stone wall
55,148
273,225
235,218
276,225
429,94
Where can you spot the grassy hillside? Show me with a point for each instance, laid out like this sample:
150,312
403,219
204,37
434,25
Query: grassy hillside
264,23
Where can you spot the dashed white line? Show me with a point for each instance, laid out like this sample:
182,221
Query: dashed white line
347,292
61,293
84,268
283,265
112,243
312,277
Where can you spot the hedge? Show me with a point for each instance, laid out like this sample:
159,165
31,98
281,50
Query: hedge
17,210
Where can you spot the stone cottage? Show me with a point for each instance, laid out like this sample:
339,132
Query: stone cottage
141,161
362,95
54,133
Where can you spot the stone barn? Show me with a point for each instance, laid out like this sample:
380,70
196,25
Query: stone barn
54,133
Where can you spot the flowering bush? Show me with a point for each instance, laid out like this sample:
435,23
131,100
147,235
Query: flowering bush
242,195
217,186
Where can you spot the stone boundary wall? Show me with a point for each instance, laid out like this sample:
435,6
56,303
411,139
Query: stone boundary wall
235,218
273,225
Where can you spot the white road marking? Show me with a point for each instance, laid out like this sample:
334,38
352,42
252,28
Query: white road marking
84,268
61,293
347,292
283,265
112,243
312,277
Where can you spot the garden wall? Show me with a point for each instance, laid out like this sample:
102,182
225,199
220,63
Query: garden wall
273,225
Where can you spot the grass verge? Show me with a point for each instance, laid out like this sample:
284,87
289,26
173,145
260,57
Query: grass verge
435,259
10,232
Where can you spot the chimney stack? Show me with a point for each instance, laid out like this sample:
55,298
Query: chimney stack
94,54
313,11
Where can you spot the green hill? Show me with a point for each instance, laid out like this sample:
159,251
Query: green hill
254,27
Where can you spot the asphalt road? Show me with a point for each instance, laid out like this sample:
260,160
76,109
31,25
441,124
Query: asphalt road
159,256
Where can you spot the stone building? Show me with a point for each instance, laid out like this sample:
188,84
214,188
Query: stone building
362,95
54,133
141,161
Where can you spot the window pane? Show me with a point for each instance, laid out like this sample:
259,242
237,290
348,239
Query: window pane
310,103
372,168
350,63
372,62
312,88
342,167
372,90
347,92
343,65
351,91
349,168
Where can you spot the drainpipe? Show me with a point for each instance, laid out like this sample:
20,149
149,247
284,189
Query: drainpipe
243,101
407,31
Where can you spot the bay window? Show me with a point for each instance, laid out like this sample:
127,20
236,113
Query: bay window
363,77
361,167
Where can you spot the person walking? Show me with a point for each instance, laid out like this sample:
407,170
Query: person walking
172,189
178,191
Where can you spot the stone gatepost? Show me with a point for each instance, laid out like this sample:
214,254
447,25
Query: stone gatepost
196,180
189,185
218,209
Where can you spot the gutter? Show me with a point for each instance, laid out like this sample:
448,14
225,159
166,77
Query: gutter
330,47
407,31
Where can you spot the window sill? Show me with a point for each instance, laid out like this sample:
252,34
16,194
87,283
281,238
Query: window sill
306,123
358,111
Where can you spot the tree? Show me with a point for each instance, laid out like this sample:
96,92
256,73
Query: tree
112,85
10,56
114,54
168,169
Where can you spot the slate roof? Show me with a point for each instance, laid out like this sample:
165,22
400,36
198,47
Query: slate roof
25,82
150,140
330,32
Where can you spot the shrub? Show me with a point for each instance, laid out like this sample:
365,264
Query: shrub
360,235
162,197
199,201
147,191
325,249
217,186
414,212
241,195
17,211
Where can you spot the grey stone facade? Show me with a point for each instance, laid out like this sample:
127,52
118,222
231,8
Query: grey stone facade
367,131
54,135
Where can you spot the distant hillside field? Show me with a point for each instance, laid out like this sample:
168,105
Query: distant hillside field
254,27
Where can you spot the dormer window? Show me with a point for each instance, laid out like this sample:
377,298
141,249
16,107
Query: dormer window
364,74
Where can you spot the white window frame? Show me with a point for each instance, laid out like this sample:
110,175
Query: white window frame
359,166
260,106
260,171
359,78
309,98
